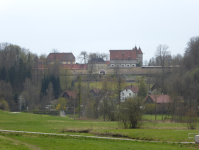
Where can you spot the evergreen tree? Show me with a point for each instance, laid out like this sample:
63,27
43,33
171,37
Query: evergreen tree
79,94
3,73
11,75
142,88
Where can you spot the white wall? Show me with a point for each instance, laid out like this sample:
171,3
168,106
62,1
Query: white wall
125,94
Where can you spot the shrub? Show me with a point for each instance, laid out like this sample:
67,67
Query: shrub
3,104
149,108
130,113
191,119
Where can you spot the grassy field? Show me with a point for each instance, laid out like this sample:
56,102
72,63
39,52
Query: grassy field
152,131
26,141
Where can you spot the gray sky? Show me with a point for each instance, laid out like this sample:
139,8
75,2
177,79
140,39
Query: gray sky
99,25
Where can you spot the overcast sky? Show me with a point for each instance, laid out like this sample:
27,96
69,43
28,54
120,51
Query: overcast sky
99,25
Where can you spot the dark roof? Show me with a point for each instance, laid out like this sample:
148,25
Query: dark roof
61,57
139,51
125,54
71,94
159,98
134,89
97,60
155,86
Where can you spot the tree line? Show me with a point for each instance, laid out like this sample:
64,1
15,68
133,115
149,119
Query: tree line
22,83
180,81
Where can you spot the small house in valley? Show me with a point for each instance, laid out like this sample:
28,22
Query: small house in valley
71,100
162,102
128,92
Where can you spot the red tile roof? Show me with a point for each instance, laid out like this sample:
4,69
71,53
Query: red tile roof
159,98
61,57
134,89
71,94
125,54
122,54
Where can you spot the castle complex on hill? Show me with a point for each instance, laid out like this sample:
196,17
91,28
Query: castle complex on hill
121,62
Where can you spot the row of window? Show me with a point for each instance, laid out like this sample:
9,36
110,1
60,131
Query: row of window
123,65
123,94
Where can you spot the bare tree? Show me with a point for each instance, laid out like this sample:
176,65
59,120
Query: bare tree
91,68
191,55
161,55
54,51
83,56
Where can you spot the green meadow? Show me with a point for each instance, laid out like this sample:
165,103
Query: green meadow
150,131
27,141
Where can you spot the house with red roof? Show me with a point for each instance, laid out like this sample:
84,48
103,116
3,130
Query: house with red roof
95,92
128,92
69,95
163,102
64,58
126,58
158,99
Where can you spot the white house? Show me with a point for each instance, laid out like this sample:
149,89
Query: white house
128,92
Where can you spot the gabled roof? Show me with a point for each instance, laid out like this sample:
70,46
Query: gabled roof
95,90
61,57
134,89
155,86
97,60
71,94
125,54
159,98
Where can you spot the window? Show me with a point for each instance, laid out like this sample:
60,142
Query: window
122,94
123,97
129,94
112,65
